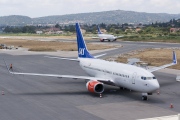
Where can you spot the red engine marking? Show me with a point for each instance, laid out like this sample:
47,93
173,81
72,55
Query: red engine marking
91,85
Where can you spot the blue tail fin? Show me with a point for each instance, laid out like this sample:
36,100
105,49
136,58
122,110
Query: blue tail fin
99,31
82,49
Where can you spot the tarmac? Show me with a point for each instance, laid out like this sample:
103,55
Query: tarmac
45,98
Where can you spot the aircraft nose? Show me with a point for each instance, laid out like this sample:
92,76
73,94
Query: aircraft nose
155,85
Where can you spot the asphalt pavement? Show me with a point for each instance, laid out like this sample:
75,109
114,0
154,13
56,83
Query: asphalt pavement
48,98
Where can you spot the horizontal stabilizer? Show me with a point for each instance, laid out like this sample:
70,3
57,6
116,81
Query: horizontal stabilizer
62,58
97,56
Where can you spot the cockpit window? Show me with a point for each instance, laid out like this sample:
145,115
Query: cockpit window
144,78
148,78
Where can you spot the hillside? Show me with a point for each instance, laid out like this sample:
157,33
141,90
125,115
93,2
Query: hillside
109,17
15,20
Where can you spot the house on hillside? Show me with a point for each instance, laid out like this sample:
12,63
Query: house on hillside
174,30
103,30
39,32
138,29
83,31
53,30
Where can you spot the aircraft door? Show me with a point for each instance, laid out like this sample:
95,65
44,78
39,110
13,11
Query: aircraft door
134,77
104,71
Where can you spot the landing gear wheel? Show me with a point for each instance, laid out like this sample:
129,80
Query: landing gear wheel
102,40
108,40
121,88
144,98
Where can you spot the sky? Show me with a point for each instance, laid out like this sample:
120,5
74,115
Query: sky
40,8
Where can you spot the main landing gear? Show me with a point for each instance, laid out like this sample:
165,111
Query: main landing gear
144,96
102,40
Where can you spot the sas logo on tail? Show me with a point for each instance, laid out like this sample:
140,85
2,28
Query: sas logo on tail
81,51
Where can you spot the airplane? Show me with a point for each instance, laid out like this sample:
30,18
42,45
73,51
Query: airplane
107,37
103,72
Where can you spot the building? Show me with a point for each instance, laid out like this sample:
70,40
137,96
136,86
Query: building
53,30
39,32
174,30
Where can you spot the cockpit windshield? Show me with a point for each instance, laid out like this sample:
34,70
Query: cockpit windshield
148,78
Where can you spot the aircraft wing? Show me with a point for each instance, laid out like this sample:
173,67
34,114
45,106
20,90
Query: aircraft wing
119,37
95,37
165,66
103,80
60,76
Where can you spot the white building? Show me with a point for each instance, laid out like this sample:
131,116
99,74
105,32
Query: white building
39,32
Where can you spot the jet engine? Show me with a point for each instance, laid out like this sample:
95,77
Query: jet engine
95,86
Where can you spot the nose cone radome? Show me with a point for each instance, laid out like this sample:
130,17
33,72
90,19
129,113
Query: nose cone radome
155,85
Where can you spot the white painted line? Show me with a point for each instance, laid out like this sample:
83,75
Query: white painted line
172,117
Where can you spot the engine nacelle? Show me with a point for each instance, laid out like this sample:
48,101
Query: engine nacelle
95,86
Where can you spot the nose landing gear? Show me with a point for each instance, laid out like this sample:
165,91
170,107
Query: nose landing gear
144,96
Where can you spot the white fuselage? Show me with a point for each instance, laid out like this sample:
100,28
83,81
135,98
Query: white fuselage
106,37
123,75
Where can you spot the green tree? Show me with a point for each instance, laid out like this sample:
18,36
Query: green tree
57,26
7,29
112,30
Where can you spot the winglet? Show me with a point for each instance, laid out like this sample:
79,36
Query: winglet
174,57
99,31
82,49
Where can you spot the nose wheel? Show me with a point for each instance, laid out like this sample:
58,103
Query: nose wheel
144,96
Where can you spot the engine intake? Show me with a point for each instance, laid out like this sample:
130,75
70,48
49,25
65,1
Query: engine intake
95,86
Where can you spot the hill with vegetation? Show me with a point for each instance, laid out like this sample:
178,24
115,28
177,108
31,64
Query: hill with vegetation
15,20
108,17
